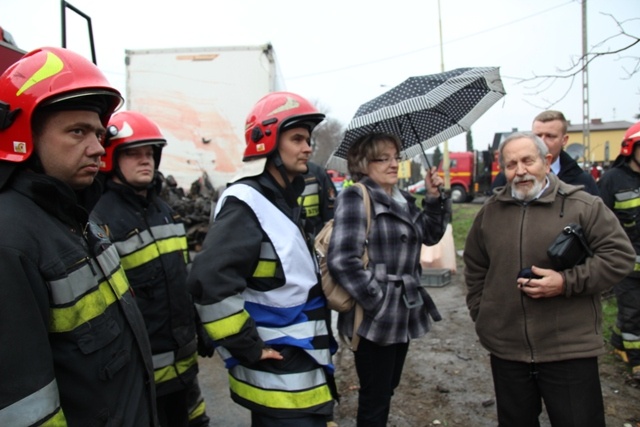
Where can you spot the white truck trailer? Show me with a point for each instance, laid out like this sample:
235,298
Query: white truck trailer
200,98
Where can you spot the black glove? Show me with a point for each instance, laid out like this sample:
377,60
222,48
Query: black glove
206,346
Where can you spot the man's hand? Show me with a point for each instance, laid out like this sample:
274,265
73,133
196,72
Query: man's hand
551,283
269,353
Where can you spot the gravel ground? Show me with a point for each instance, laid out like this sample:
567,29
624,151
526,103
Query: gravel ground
446,379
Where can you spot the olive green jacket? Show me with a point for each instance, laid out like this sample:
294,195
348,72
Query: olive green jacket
508,235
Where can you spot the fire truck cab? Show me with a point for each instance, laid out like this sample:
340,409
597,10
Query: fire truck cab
9,52
470,173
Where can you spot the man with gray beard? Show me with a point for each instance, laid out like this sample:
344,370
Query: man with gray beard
551,127
542,327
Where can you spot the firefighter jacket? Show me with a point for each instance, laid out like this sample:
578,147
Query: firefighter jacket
256,284
74,347
620,191
152,244
507,236
317,199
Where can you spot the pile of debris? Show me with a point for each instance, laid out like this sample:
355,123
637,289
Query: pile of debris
195,208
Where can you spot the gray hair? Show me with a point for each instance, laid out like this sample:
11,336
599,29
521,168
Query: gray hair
542,148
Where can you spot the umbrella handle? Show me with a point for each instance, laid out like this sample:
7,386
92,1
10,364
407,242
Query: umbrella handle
426,159
443,193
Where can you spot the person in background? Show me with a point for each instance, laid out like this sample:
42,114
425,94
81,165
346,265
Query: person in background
151,241
551,127
396,309
256,281
317,199
596,172
74,346
543,329
620,191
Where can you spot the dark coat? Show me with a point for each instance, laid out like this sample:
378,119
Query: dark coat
620,191
394,243
318,205
159,276
65,300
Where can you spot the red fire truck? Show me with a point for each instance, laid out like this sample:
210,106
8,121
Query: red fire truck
9,52
471,174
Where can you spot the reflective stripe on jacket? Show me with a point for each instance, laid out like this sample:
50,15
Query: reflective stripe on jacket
627,209
83,356
310,199
76,299
317,199
40,405
153,247
280,303
620,191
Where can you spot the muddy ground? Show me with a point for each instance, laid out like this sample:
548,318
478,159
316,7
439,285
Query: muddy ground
446,379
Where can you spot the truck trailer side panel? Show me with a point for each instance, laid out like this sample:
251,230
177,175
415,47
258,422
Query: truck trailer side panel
200,97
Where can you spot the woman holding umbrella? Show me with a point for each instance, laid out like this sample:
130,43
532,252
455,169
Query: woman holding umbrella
395,307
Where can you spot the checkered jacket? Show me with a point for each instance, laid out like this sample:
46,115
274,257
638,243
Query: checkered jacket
390,284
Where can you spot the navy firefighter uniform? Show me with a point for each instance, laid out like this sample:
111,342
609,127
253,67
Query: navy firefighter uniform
151,241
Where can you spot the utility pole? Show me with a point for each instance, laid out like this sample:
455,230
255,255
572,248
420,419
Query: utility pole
586,137
445,151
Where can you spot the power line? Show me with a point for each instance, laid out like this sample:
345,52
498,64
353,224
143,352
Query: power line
413,52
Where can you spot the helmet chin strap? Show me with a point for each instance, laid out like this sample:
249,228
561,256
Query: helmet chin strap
289,192
277,161
136,188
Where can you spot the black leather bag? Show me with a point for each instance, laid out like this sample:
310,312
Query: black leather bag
569,248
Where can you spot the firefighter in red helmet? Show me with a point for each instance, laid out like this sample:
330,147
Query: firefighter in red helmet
631,137
152,243
256,282
620,190
84,356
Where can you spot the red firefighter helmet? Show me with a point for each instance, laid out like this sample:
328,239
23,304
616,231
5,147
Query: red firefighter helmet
44,77
275,112
631,137
129,129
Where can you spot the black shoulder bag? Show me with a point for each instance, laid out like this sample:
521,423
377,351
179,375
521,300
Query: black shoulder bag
569,248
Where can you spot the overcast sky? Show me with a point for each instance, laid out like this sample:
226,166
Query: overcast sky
341,53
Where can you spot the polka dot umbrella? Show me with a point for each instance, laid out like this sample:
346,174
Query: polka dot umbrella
424,110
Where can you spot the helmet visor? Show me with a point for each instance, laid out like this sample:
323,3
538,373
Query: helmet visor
101,101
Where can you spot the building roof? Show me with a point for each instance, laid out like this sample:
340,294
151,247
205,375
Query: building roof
597,124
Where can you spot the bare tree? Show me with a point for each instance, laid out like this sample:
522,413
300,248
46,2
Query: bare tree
326,136
624,51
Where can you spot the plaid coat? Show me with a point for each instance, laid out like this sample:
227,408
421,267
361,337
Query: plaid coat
391,283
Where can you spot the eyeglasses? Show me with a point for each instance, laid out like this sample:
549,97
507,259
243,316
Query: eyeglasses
386,160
